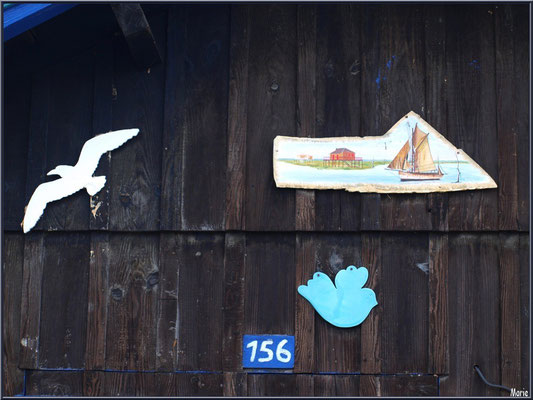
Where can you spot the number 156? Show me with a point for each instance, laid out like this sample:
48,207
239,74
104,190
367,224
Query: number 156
282,354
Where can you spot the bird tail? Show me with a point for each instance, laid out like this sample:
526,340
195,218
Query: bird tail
95,185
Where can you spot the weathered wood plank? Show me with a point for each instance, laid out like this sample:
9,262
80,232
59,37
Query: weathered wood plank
506,119
38,134
474,314
136,167
347,385
93,383
155,384
272,385
30,309
119,384
522,82
17,103
510,335
102,122
12,268
132,302
304,324
269,291
336,349
205,118
338,103
408,385
271,112
234,286
305,385
392,84
371,257
404,286
471,113
167,317
235,384
435,91
438,304
199,384
306,32
200,294
69,127
525,302
54,383
237,116
324,385
173,155
136,30
63,322
97,301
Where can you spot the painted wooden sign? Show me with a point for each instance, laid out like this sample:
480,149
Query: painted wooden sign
268,351
344,304
411,157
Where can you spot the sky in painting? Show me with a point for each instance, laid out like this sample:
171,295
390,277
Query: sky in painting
377,149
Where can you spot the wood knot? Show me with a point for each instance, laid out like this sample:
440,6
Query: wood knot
125,199
152,279
117,293
274,87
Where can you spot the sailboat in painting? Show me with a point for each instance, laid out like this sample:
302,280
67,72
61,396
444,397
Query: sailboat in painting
414,161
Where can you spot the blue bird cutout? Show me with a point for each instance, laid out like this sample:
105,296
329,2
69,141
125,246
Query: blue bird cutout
345,304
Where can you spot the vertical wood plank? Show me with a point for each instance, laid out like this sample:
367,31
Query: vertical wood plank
392,84
522,82
338,103
510,310
337,349
119,384
408,385
271,385
38,134
199,384
69,127
200,294
271,112
30,309
525,302
155,384
305,385
205,118
237,116
235,384
48,383
304,324
132,309
369,386
438,304
97,301
474,314
173,134
306,32
269,290
136,173
102,122
405,318
234,286
435,92
506,119
371,257
471,113
93,383
17,103
324,385
167,317
347,385
12,268
63,319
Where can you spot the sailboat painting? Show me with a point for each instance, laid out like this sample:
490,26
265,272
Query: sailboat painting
412,157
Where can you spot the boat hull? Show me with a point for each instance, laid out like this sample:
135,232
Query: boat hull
420,176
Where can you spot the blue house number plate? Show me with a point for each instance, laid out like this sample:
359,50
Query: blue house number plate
267,351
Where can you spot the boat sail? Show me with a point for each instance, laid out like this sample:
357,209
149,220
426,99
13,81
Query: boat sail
414,161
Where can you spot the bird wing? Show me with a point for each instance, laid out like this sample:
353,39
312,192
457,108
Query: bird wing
44,194
93,148
351,278
321,293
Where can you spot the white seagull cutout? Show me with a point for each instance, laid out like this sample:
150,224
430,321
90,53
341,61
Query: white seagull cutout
77,177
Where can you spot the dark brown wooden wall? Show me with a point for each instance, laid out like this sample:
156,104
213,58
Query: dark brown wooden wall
148,287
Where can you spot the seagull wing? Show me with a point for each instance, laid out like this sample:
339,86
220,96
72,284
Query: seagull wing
44,194
94,148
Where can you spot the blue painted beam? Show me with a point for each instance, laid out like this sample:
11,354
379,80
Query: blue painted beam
20,17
